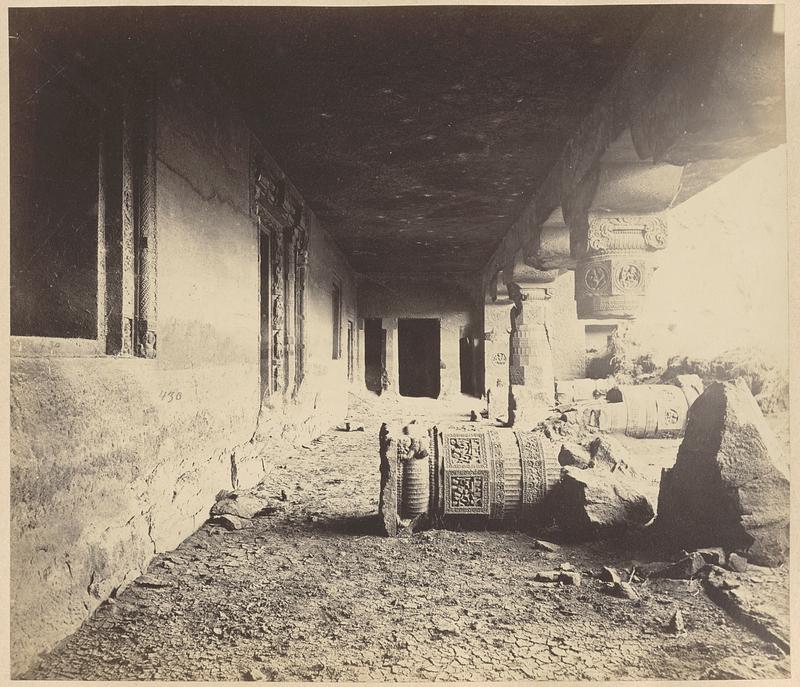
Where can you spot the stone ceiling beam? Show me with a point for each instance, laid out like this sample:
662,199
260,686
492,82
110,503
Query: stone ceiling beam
699,82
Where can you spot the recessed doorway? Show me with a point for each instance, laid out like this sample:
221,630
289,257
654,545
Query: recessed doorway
419,357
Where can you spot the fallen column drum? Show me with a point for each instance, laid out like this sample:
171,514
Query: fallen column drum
473,476
651,410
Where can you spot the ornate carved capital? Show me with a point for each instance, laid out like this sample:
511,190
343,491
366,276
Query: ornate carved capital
626,233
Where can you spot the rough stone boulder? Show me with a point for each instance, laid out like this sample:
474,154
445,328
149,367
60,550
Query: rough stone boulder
607,452
244,504
572,453
726,488
592,502
388,505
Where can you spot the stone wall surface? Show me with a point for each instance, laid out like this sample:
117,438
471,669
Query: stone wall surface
567,333
115,459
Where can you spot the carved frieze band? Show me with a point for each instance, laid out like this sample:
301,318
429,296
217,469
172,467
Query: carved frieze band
540,469
272,199
626,233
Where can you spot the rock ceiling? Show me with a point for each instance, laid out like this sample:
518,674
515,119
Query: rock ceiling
417,134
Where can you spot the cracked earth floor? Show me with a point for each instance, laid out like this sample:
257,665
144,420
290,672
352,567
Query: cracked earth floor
313,593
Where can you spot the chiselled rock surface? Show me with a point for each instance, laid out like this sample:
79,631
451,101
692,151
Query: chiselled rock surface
726,488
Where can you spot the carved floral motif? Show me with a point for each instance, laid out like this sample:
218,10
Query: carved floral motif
467,491
595,278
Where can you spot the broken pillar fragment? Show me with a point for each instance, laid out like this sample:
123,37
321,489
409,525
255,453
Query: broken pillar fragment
531,392
468,476
387,503
726,488
612,274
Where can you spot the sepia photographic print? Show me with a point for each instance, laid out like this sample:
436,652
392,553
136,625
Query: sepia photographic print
403,343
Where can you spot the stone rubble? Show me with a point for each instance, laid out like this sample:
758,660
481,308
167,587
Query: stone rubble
293,598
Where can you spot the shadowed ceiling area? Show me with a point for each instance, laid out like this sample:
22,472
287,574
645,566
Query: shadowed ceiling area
417,134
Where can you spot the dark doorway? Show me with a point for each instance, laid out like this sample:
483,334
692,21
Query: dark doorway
374,354
467,365
418,357
350,350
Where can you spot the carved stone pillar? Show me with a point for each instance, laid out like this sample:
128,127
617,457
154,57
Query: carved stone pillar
146,323
496,318
612,275
531,391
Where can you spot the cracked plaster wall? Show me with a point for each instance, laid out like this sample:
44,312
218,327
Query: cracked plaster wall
116,459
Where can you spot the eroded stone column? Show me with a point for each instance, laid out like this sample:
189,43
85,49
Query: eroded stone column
301,264
531,391
290,369
359,362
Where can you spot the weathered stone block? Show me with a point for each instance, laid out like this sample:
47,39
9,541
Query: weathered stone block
686,568
609,453
244,504
588,502
574,454
387,504
726,488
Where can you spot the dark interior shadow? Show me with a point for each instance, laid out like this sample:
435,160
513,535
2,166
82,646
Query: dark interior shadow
357,525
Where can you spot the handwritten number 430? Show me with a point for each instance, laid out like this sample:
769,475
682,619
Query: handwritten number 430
170,396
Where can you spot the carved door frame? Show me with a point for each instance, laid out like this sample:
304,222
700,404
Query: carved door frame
279,214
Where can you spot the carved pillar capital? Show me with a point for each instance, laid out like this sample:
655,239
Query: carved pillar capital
613,273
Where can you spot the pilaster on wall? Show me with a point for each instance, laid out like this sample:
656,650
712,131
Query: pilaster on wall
392,382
